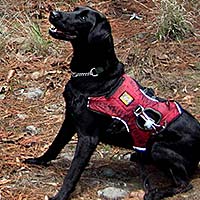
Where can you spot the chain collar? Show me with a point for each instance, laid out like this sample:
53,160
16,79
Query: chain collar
92,72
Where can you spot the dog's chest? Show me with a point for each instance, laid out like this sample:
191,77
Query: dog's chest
76,102
141,114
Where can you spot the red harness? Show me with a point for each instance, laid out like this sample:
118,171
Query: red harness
130,105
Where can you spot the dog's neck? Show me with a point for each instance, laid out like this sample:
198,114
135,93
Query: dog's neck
86,57
100,85
99,55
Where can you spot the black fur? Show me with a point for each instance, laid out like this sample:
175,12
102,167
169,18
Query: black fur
175,150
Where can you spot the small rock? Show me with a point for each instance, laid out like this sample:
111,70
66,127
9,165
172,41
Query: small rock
36,75
162,57
34,93
2,96
52,107
32,130
108,172
112,193
3,90
141,35
22,116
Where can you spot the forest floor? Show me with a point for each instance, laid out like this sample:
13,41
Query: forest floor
30,60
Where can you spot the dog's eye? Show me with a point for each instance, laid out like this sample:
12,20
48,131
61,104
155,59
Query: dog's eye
83,18
83,15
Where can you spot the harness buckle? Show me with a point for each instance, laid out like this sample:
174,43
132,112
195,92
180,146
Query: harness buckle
139,110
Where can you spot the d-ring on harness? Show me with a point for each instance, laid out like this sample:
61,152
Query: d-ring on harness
149,121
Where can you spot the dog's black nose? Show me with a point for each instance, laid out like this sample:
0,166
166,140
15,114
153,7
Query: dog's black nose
56,15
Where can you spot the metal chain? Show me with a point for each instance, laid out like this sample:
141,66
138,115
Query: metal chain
92,72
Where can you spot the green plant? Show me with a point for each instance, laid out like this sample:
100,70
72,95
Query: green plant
36,38
35,42
172,21
38,44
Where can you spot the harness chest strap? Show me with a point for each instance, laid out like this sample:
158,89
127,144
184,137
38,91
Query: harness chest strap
123,104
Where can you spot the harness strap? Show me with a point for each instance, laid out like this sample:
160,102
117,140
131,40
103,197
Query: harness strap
142,115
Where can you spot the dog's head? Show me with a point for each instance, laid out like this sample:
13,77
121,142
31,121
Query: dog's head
83,23
90,35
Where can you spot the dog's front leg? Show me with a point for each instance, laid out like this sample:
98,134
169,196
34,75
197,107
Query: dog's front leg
65,134
85,147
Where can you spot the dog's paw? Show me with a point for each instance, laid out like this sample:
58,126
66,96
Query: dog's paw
35,161
157,194
134,157
153,195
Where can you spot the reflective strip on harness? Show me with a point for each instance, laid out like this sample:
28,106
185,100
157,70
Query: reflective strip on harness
123,105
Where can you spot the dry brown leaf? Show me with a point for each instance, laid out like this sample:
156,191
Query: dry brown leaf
11,73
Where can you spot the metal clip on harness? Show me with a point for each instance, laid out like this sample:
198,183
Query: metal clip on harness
149,122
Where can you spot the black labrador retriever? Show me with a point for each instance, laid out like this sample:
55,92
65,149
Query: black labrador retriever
173,145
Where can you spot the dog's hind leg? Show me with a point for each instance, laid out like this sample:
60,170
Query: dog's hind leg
169,161
63,137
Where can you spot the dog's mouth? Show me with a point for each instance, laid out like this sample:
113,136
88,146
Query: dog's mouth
62,35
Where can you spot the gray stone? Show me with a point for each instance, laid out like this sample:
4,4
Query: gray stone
22,116
112,193
32,130
52,107
3,90
2,96
108,172
36,75
34,93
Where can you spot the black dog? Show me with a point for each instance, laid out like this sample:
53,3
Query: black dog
96,72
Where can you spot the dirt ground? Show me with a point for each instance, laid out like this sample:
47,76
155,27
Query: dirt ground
171,68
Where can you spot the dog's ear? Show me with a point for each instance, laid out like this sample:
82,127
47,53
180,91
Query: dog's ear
100,31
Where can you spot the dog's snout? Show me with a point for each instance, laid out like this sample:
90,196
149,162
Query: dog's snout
56,15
